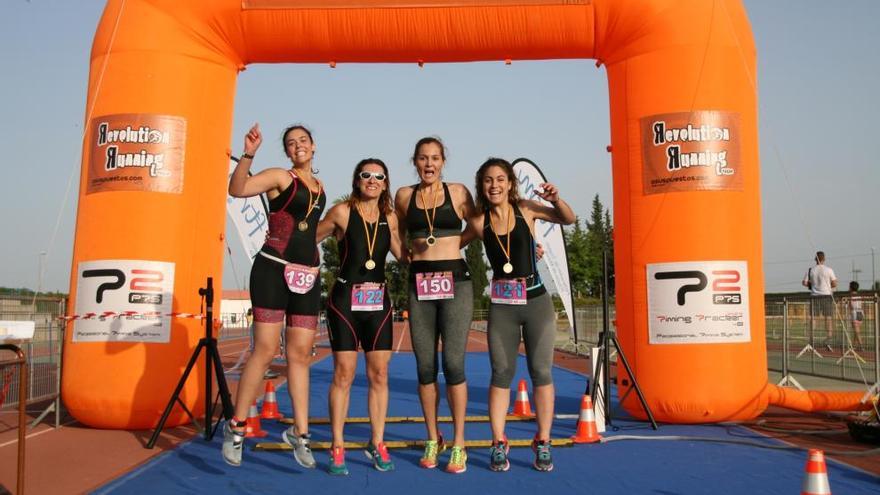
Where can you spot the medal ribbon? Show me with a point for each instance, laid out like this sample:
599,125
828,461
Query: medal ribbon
509,229
430,220
312,204
371,243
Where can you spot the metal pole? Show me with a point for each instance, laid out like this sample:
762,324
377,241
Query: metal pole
873,273
22,401
876,341
209,336
784,337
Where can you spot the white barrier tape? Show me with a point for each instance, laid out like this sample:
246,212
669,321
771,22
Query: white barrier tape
126,314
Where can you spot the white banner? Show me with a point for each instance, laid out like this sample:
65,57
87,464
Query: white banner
16,330
549,234
698,302
145,288
249,215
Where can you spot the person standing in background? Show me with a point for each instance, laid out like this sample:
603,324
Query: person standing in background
821,281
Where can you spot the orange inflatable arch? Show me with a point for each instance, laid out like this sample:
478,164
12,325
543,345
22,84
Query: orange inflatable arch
150,223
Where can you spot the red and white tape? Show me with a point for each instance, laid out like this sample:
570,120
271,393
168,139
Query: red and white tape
126,314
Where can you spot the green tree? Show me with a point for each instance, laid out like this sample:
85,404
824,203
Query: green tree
330,262
330,265
396,282
595,240
609,246
576,244
479,277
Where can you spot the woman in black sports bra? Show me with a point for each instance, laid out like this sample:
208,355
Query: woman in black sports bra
359,308
284,283
440,294
521,308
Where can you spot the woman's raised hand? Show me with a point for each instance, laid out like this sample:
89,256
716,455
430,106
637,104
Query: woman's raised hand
253,139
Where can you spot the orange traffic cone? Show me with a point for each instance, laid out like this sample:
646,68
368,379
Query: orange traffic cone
815,475
270,403
586,426
252,426
522,408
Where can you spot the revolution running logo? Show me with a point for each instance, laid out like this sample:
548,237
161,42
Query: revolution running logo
136,152
691,151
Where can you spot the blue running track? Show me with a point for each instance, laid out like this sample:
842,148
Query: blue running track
620,467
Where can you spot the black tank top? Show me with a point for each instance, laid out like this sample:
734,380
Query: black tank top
353,251
287,210
522,251
446,221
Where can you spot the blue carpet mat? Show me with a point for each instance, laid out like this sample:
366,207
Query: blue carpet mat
631,466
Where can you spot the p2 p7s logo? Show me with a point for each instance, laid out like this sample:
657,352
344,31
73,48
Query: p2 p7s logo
144,287
724,284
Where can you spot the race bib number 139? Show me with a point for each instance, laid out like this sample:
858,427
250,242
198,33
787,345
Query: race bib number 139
300,278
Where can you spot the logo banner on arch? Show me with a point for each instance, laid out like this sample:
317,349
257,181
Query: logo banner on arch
136,152
549,234
691,151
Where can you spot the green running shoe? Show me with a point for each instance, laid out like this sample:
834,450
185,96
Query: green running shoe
379,454
433,448
543,457
498,456
337,465
457,460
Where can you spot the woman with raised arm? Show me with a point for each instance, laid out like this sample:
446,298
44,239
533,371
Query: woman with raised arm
284,284
359,307
440,292
520,306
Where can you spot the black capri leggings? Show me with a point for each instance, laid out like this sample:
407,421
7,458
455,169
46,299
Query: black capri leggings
538,323
447,319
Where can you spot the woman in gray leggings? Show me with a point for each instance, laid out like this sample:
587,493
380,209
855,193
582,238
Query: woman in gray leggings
440,292
521,307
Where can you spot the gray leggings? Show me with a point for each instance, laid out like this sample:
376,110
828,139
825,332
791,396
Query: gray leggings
449,319
538,333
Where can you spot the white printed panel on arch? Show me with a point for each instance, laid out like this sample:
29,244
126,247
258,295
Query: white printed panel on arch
698,302
139,290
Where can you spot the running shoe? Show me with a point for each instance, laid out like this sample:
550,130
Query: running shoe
233,441
302,450
457,460
337,462
433,448
498,456
543,457
379,454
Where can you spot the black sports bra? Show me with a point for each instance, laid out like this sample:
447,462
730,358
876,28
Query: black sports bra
446,220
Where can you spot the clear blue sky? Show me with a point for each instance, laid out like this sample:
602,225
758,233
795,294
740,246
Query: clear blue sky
818,79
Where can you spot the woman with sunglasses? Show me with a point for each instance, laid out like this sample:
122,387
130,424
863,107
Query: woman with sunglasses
284,283
520,306
440,292
359,308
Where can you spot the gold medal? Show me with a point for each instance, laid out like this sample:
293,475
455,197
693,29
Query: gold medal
508,267
370,264
313,203
431,240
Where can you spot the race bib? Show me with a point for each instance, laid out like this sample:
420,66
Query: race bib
509,291
367,297
300,278
433,286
